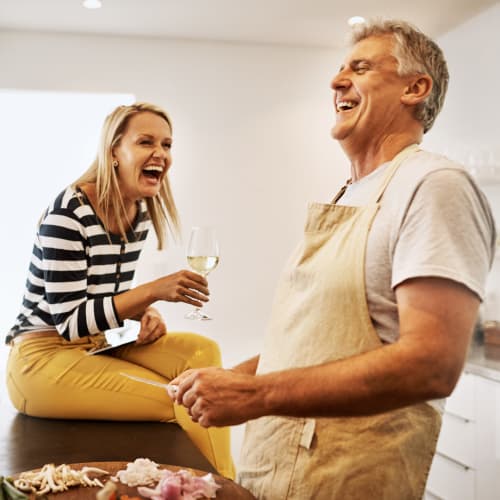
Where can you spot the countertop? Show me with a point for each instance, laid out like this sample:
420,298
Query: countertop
479,364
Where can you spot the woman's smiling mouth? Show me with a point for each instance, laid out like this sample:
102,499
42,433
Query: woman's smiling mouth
153,171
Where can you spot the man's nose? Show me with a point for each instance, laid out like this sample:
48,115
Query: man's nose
339,81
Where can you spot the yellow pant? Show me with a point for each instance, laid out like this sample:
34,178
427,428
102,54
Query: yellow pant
51,377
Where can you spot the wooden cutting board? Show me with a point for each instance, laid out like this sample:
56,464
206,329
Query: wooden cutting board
229,490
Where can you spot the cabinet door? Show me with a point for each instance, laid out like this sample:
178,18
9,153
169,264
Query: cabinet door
488,439
457,439
462,401
449,480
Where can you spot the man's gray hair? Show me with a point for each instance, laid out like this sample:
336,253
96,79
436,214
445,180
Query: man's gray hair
416,54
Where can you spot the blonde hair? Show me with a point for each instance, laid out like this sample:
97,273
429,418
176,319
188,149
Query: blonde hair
416,54
161,208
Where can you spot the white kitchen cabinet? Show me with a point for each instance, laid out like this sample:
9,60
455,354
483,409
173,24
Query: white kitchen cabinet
467,461
463,449
462,402
488,439
450,480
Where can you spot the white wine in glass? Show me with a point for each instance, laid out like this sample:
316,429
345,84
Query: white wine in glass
202,257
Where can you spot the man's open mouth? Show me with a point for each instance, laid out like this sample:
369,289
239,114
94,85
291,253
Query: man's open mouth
346,105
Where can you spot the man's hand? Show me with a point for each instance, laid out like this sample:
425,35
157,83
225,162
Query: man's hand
152,327
218,397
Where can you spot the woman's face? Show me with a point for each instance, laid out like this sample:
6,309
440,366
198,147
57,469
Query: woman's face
143,156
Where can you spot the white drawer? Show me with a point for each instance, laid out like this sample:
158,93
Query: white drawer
450,481
457,440
462,401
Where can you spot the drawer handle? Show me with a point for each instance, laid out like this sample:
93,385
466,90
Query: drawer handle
434,495
454,460
458,417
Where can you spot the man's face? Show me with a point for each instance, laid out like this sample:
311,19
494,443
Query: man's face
367,92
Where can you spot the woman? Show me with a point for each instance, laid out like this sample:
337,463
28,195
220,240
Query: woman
84,258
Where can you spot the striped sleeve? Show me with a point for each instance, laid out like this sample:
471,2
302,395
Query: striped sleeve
63,265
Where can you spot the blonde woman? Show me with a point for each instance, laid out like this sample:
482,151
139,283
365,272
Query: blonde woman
79,284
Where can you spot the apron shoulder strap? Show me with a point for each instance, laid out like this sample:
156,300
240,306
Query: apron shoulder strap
391,170
394,165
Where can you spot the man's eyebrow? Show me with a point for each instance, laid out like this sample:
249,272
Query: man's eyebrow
357,62
354,63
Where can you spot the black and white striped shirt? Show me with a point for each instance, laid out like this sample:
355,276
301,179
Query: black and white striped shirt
76,268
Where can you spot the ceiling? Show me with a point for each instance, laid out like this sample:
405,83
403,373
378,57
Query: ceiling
319,23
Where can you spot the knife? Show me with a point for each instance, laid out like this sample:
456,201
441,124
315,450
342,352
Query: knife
173,388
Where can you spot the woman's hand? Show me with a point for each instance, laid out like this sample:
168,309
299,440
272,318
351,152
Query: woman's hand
183,286
152,327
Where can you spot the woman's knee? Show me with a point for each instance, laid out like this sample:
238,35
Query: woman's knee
210,353
203,351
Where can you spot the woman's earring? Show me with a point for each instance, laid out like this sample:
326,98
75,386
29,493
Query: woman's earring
115,163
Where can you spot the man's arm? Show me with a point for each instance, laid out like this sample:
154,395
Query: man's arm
436,316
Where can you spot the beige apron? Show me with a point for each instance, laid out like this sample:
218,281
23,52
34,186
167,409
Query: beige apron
320,314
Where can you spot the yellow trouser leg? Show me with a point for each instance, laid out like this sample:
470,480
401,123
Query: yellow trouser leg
185,351
213,442
53,378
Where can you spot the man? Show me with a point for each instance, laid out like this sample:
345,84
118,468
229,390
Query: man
374,311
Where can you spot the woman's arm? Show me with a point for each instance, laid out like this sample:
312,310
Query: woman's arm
58,280
182,286
59,273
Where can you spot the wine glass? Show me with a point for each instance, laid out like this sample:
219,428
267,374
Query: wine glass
202,257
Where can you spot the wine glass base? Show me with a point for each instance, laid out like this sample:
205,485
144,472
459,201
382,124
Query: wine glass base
198,315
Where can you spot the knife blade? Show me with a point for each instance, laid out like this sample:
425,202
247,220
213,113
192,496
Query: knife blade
174,388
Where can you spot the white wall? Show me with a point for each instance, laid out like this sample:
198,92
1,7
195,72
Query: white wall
469,120
468,128
251,147
41,154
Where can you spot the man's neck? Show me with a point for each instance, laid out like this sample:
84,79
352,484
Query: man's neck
365,160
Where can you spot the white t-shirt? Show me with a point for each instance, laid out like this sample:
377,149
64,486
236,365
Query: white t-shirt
433,221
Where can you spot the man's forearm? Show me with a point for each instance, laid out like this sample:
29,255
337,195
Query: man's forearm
436,321
370,383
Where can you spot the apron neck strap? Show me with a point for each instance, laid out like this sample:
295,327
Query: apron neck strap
391,170
341,192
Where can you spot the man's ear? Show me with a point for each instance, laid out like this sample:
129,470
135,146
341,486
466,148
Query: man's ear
419,87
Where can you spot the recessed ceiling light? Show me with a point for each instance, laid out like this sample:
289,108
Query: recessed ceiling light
356,20
92,4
